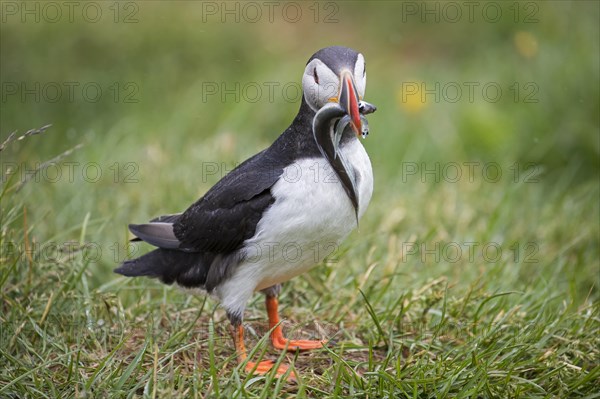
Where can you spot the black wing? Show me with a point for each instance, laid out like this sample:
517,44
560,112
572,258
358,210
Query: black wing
228,214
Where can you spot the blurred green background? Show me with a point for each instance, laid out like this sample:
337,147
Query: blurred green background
155,131
486,141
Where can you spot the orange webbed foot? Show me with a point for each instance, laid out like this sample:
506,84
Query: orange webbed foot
264,367
277,338
261,368
279,342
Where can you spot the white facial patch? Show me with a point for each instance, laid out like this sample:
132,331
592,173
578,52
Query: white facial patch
360,75
319,84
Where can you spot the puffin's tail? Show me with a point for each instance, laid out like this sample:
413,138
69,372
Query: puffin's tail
187,269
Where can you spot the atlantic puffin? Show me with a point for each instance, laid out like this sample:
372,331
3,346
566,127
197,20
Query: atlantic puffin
303,194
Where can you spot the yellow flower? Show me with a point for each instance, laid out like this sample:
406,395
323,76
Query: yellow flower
410,96
526,44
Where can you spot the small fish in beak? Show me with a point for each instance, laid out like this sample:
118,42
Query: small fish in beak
342,124
364,108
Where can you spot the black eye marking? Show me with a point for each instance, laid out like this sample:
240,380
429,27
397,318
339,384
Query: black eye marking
316,76
364,69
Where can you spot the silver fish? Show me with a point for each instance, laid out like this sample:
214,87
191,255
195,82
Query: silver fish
341,127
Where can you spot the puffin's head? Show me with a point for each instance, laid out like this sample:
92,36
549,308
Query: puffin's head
336,74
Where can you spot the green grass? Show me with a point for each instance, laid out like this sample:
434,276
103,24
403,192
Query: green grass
412,324
515,313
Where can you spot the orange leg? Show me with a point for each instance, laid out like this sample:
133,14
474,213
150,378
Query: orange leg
277,337
256,368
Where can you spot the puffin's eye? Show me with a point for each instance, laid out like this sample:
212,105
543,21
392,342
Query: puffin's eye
364,69
316,76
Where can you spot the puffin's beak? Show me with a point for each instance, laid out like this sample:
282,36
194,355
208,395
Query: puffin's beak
348,99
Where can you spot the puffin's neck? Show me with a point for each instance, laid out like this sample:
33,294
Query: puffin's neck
305,116
297,140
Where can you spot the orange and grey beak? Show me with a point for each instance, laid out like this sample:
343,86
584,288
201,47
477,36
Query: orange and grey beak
348,100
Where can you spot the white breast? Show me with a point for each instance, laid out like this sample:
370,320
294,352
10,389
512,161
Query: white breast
311,215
